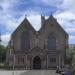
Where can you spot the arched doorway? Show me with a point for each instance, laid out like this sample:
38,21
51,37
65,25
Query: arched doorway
37,63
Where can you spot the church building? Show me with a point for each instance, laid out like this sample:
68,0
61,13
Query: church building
44,49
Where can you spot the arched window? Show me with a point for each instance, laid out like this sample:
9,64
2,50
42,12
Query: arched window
51,42
25,40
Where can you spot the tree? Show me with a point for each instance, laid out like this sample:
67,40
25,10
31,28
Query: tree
2,53
70,59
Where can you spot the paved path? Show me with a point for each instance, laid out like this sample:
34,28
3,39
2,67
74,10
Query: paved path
29,72
38,72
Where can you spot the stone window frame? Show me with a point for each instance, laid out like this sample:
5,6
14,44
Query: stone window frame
28,42
51,36
20,60
53,59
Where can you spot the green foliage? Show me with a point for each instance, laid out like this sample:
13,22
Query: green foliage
73,54
71,58
2,53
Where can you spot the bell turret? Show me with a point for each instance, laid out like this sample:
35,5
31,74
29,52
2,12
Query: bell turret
42,20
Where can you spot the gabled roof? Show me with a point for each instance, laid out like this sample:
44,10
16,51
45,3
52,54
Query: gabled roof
26,24
58,25
51,18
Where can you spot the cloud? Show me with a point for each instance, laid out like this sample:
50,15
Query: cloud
71,39
67,20
35,20
68,5
12,13
70,29
5,39
52,3
66,15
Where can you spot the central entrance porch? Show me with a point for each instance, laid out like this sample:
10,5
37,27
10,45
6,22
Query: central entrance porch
36,62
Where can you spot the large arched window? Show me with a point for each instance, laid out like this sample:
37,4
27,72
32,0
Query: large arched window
51,42
25,40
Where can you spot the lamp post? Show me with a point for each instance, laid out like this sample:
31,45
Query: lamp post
13,63
13,54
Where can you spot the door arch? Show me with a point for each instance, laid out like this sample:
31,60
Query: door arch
37,63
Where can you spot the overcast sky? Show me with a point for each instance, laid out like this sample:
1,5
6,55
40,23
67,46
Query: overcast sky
12,12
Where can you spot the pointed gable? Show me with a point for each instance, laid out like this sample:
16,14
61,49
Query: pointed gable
25,25
53,20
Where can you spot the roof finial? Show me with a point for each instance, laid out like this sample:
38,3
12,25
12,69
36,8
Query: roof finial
42,16
51,13
25,15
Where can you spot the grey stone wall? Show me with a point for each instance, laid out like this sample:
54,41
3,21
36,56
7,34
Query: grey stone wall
38,45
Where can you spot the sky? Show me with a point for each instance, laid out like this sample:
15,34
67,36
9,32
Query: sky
12,13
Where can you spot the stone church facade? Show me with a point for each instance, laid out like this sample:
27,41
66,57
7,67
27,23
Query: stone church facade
43,49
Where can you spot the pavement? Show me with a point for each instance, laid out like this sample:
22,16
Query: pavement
28,72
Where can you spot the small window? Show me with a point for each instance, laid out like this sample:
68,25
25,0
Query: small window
20,60
25,40
52,59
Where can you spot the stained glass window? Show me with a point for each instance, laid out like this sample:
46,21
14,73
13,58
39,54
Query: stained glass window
51,42
25,40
